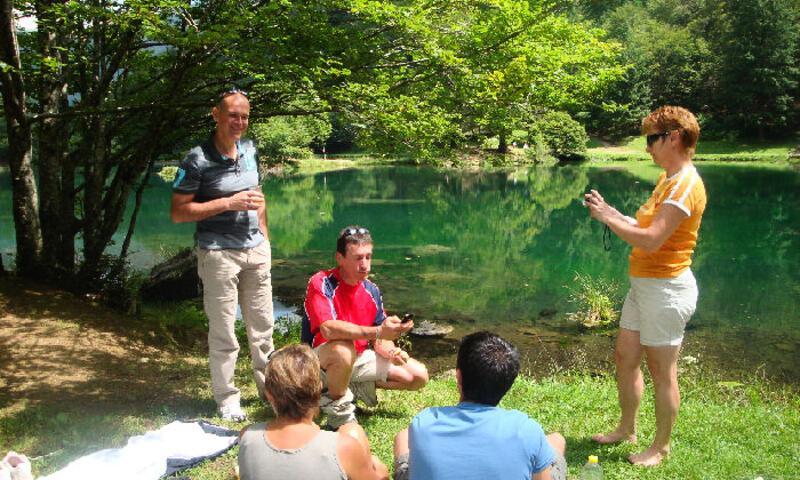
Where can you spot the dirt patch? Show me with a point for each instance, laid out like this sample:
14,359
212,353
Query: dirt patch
58,348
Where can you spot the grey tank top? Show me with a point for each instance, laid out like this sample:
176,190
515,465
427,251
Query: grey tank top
317,460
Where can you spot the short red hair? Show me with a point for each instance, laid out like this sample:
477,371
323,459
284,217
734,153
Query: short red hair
670,118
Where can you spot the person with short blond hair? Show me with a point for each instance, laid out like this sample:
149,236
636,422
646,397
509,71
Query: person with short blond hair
292,445
663,293
218,186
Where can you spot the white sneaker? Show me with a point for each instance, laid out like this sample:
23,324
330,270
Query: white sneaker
233,412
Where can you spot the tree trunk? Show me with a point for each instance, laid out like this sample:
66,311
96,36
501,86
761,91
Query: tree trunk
137,206
57,211
25,205
502,146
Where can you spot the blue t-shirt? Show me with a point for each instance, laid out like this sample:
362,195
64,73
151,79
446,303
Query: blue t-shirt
474,441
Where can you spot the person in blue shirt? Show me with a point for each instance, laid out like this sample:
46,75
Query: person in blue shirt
476,439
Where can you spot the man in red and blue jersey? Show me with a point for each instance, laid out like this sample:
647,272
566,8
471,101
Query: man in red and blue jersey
343,314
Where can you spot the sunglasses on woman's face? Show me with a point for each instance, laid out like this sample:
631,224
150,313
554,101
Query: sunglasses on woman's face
653,138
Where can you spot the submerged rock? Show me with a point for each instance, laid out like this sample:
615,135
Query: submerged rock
430,249
426,328
547,312
541,334
174,279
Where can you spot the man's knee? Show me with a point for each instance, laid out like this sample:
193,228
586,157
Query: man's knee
401,443
411,376
337,354
401,454
420,375
558,442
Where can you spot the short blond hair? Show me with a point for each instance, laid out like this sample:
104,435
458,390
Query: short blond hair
292,380
670,118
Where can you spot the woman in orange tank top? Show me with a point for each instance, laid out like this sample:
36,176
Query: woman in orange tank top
663,292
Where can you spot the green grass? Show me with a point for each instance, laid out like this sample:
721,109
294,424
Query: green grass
725,430
707,150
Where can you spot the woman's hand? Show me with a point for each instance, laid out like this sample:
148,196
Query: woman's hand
598,208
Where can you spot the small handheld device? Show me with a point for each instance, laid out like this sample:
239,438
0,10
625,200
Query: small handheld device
407,318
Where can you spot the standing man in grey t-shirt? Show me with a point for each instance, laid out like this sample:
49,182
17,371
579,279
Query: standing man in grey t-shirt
218,186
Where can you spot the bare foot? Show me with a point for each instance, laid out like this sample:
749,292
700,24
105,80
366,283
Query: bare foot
650,457
616,436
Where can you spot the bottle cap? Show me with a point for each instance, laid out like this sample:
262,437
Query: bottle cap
592,458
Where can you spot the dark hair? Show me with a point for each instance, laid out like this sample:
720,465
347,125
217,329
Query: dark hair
489,365
292,379
352,235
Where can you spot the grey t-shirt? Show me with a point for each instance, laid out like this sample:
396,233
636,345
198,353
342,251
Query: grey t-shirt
260,460
210,175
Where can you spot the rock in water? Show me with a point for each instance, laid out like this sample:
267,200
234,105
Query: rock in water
426,328
174,279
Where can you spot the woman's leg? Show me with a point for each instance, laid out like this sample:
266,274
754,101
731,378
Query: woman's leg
630,385
662,362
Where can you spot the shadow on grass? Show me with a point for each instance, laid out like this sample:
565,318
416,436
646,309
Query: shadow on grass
76,377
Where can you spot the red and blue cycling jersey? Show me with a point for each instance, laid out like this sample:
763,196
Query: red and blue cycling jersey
329,298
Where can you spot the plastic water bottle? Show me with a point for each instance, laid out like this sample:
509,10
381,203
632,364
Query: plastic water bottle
592,470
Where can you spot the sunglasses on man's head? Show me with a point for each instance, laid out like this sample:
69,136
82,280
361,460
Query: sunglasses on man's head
233,91
354,231
651,139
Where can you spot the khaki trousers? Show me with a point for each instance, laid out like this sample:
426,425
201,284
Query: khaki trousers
231,277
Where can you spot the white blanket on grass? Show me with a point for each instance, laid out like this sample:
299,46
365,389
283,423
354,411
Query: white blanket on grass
146,456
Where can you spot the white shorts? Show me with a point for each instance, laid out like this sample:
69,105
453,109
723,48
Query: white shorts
660,308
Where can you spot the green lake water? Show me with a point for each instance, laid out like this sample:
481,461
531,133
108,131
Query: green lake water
498,251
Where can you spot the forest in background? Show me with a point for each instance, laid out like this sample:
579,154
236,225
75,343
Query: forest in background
99,92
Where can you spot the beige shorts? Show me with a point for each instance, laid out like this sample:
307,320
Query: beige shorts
369,367
660,308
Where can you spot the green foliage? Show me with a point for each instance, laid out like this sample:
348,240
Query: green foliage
539,150
474,70
759,64
114,282
736,63
596,300
168,172
564,137
287,330
280,139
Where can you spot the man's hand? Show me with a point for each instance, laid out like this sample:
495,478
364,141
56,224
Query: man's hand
392,328
388,350
398,356
246,200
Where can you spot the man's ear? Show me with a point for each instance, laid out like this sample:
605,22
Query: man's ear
339,258
214,113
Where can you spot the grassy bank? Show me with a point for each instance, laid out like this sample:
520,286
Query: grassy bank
707,150
725,430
